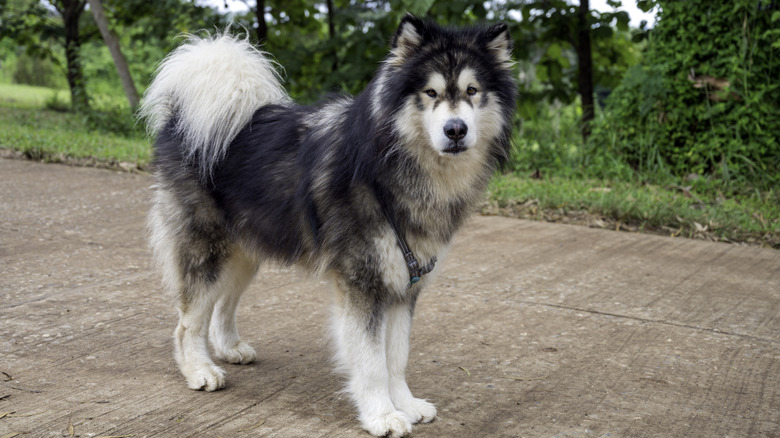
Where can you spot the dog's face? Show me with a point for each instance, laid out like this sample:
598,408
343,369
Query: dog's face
449,110
454,83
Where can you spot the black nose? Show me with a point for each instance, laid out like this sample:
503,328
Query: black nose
455,129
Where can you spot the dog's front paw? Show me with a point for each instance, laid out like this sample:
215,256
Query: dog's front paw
393,424
206,376
418,410
240,353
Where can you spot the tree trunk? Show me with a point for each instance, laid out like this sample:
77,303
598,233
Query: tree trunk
120,62
71,10
262,27
332,33
585,70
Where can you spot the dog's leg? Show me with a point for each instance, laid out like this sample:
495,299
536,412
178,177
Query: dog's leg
200,283
223,333
191,349
398,328
359,336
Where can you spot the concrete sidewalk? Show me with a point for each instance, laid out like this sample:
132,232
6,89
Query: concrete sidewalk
532,329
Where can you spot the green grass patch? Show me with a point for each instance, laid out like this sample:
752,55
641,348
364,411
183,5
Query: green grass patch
60,136
671,210
27,96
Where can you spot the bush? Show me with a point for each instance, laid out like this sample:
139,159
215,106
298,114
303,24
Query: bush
38,72
112,114
706,99
56,103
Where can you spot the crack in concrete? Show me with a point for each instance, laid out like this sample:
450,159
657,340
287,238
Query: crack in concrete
654,321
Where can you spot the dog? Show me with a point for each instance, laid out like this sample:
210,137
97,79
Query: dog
366,191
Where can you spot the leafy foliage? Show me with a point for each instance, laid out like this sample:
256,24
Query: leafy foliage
546,42
706,99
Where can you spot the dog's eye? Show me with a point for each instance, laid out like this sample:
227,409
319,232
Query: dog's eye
471,91
431,93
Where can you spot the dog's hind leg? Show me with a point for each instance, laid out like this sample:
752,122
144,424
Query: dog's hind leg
207,306
398,329
190,340
192,248
358,329
223,333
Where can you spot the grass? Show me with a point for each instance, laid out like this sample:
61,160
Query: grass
630,206
695,210
65,137
42,134
26,96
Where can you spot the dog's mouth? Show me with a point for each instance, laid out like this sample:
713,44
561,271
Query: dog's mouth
454,148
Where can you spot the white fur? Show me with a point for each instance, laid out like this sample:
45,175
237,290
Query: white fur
213,311
214,84
223,332
436,119
452,175
395,273
436,116
408,41
363,358
398,329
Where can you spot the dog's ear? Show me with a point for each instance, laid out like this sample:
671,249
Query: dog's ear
408,38
499,43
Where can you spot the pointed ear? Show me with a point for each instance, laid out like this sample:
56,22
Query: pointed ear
499,43
408,38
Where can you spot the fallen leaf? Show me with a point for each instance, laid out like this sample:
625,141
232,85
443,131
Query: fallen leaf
7,378
4,396
71,429
258,424
5,414
467,371
11,435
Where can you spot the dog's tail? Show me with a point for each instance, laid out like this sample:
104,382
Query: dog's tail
211,85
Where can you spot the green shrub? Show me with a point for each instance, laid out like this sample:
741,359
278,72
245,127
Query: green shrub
57,103
706,99
112,114
36,71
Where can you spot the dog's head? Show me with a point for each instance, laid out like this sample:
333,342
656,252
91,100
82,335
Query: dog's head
453,88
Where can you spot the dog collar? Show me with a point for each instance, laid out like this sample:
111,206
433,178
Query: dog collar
416,271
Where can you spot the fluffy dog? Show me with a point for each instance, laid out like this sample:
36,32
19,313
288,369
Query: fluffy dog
367,191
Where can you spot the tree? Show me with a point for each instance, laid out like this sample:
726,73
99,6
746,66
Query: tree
558,36
70,12
112,42
37,26
582,46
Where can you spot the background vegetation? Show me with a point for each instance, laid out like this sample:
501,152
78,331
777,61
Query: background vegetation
672,129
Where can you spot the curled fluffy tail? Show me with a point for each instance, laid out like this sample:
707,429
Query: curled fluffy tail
212,85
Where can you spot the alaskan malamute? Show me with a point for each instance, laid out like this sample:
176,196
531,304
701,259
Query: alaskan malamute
367,191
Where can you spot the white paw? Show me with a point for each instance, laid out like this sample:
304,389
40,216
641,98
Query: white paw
241,353
418,410
392,424
207,376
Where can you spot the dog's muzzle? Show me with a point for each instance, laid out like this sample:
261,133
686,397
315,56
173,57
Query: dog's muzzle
455,130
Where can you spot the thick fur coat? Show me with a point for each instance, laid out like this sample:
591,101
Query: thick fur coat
244,175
